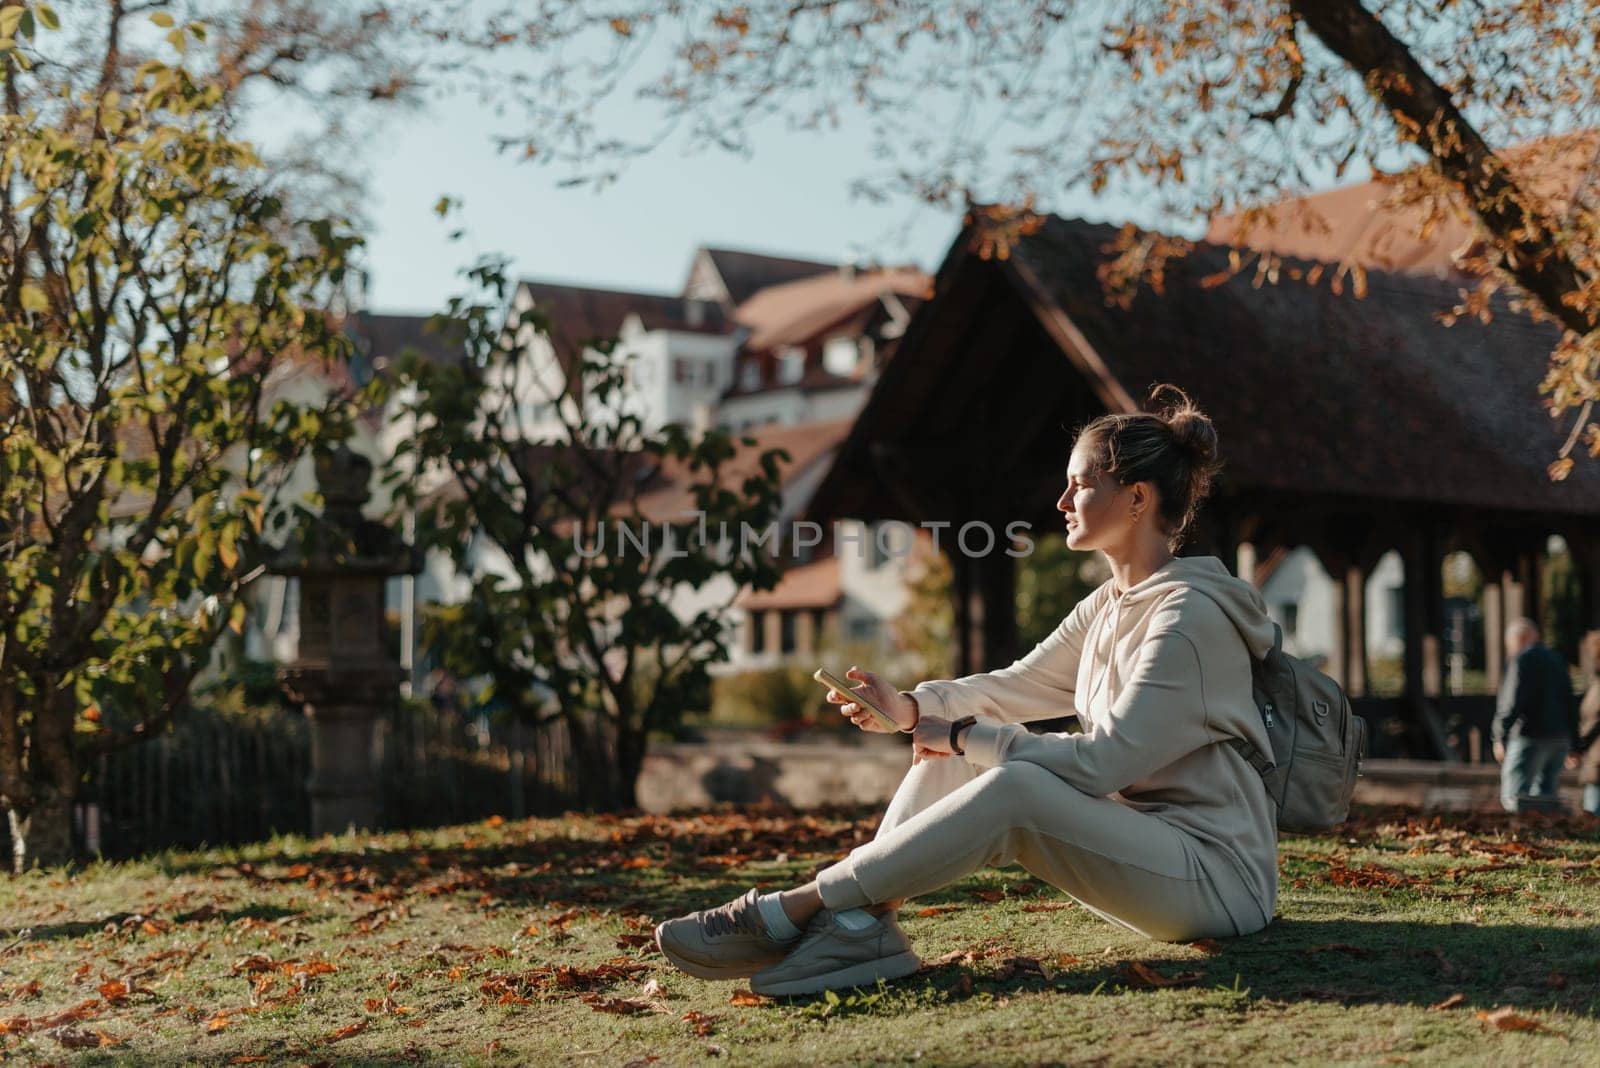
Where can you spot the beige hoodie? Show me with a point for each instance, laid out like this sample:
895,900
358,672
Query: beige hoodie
1157,677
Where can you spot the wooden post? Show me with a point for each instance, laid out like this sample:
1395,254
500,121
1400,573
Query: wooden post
998,609
961,565
1338,665
1355,629
1494,625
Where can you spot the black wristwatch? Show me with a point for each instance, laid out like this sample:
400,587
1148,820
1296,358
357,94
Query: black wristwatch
956,728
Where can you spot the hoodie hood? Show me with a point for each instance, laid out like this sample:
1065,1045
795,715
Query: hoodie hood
1239,600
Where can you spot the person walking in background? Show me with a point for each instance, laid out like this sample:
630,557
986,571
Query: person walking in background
1536,720
1586,755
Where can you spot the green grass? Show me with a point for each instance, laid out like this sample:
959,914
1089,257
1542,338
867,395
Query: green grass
507,944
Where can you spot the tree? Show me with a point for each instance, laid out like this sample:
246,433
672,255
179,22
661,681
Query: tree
331,68
153,290
1191,110
535,488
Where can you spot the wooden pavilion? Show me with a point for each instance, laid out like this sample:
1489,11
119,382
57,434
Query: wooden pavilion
1351,426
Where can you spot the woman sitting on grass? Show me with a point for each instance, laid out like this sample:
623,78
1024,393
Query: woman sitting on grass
1148,818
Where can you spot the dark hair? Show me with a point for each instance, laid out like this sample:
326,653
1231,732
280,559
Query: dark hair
1174,446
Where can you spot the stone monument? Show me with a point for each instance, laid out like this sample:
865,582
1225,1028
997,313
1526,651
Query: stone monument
343,675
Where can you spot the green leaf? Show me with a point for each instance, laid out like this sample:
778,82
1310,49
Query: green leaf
47,17
34,299
163,19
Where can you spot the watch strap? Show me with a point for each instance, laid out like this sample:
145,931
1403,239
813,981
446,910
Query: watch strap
956,727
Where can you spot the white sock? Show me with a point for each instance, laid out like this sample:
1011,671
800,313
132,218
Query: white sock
855,919
779,925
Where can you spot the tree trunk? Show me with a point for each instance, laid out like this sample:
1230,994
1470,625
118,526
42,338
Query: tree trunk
43,836
1529,243
608,759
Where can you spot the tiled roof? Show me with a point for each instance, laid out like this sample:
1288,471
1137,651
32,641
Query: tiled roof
1355,224
797,312
580,314
1322,393
744,273
669,495
814,584
384,336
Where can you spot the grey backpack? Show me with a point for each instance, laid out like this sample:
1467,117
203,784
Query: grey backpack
1318,743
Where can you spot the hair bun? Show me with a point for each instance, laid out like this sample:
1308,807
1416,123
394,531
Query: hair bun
1191,429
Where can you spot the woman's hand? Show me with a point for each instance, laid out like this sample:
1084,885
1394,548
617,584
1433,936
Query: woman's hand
931,739
902,709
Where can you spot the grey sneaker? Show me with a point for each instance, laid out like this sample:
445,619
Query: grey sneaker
727,942
831,957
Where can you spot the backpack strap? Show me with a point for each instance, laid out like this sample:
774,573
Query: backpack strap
1252,755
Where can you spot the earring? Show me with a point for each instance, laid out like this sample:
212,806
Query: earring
1135,515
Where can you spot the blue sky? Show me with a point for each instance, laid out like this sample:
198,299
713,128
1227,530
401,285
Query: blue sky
790,196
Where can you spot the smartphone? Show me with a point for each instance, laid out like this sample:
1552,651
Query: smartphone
829,679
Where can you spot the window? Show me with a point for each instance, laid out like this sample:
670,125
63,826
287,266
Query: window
757,622
1291,618
791,365
750,376
819,621
681,371
863,628
708,373
840,355
786,632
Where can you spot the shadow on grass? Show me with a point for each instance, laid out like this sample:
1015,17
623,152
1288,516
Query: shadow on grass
656,864
79,928
1346,961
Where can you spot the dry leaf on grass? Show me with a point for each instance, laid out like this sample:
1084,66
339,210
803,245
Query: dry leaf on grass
653,989
347,1031
619,1006
937,910
1012,967
1508,1019
989,895
1048,906
745,997
1206,945
704,1023
1451,1002
1141,975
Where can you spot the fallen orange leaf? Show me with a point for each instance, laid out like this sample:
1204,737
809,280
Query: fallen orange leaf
1451,1002
348,1030
1508,1019
1206,945
1142,975
937,910
745,997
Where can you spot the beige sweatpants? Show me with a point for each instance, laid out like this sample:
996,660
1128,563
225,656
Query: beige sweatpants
948,819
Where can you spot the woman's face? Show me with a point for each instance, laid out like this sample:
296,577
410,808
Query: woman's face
1096,506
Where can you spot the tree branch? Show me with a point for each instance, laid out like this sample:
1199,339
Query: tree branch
1426,115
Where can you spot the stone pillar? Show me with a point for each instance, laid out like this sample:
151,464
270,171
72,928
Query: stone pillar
343,676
